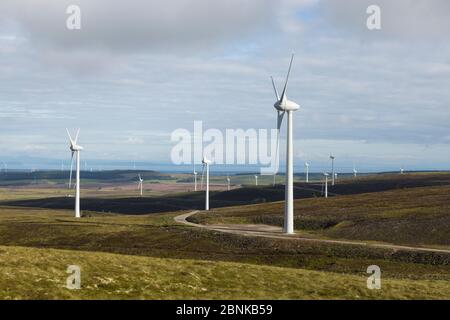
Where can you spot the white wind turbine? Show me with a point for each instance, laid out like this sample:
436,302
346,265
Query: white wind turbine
283,105
141,183
206,163
355,172
256,180
326,184
195,179
75,148
332,169
402,170
228,183
307,171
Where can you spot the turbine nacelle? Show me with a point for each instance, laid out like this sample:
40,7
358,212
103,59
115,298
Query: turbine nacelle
75,147
286,105
205,161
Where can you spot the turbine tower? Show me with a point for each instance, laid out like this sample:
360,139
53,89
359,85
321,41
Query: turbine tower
141,183
195,180
228,183
75,148
256,180
283,105
307,171
402,170
326,184
355,172
206,163
332,169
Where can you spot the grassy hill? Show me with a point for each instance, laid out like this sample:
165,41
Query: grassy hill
414,216
116,250
42,275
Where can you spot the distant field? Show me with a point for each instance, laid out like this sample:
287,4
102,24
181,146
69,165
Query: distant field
164,197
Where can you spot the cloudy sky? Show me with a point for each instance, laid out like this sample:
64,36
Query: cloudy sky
137,70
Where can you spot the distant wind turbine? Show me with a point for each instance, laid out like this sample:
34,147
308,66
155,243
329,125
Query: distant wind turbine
228,183
283,105
75,148
256,180
195,179
326,184
307,171
141,182
332,169
206,163
355,172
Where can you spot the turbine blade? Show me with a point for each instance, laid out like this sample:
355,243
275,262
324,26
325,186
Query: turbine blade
283,95
70,138
71,169
76,137
203,174
280,117
275,89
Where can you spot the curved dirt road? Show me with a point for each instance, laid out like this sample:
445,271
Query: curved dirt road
266,231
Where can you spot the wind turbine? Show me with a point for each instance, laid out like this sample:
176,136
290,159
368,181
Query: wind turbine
228,183
283,105
402,170
326,184
75,148
355,172
141,182
256,180
332,169
307,171
195,179
335,176
206,163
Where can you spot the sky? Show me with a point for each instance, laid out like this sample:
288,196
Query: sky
138,70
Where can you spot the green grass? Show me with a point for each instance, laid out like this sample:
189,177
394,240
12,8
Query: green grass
27,273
